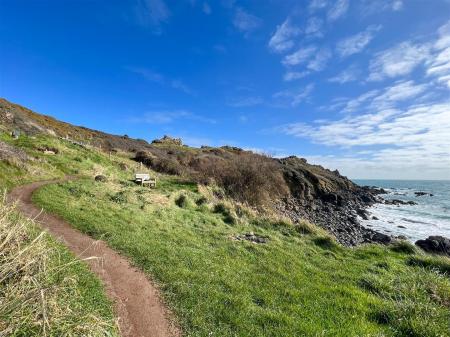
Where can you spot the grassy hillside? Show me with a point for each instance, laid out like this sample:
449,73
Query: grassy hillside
44,290
198,245
295,284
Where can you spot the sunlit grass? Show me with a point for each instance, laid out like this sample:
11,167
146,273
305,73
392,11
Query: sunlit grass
297,284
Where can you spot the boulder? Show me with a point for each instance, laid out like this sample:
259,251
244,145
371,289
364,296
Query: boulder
100,178
419,194
435,244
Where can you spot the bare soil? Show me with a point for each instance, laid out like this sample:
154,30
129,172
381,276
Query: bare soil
137,302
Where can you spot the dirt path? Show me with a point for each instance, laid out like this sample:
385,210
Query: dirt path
137,302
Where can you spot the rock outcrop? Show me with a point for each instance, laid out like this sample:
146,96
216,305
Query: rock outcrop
435,244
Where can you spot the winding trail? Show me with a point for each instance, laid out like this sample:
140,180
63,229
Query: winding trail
138,306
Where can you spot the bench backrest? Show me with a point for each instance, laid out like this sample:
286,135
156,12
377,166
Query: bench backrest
142,176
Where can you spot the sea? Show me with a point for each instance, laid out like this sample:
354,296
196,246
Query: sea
431,215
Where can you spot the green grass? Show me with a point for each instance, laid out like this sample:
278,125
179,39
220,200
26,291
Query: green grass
295,285
71,160
44,289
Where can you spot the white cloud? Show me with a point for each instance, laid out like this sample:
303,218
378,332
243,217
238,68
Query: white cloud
345,76
368,7
295,75
318,4
397,5
151,13
319,62
300,56
387,98
398,61
294,97
282,40
246,22
314,27
439,63
356,43
338,10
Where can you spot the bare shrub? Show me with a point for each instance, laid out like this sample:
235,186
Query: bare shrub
247,177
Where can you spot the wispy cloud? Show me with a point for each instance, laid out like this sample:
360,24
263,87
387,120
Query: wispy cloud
348,75
318,4
282,40
398,61
356,43
246,22
338,10
314,27
295,75
246,102
206,8
320,60
151,13
153,76
300,56
294,97
438,65
169,116
369,7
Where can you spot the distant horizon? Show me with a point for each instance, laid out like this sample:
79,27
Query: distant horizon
362,86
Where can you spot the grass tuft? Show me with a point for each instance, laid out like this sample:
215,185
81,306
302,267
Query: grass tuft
44,291
404,247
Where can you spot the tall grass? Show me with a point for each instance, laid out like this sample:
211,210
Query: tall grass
44,291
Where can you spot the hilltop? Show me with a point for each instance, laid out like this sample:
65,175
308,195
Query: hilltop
290,187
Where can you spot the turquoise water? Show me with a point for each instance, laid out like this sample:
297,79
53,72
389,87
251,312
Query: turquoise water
430,217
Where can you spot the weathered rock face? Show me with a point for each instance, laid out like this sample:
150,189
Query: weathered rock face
435,244
329,200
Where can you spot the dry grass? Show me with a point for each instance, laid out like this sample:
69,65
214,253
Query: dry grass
44,291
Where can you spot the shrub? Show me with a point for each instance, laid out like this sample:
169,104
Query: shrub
182,201
201,201
119,198
246,177
229,216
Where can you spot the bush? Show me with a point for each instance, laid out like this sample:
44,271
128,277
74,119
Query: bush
182,201
119,198
246,177
228,215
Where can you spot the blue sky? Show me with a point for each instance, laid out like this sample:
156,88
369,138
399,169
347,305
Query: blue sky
358,85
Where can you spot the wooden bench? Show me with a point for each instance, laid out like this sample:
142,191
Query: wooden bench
144,178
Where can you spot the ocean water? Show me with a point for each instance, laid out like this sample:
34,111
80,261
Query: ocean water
430,217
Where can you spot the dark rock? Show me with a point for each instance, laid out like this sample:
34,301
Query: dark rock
399,202
419,194
363,213
375,218
252,237
400,226
101,178
435,244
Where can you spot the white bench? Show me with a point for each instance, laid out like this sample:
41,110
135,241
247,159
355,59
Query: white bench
144,178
